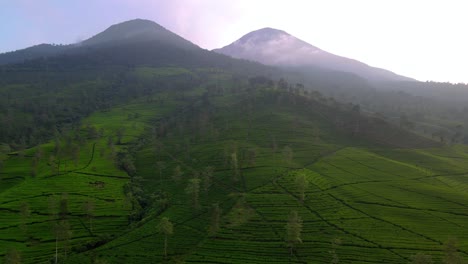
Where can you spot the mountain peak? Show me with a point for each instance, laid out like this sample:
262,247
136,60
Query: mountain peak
138,30
262,35
276,47
270,46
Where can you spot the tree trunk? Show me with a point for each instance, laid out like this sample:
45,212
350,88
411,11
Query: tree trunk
56,250
165,246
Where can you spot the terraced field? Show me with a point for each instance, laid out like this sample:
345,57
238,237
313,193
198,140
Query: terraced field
382,204
363,201
32,205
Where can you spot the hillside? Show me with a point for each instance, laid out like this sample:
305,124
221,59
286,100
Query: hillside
144,148
276,47
38,51
225,141
48,94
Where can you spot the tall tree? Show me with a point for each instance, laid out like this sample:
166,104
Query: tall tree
193,190
235,167
252,156
25,212
452,256
215,220
88,209
161,166
177,173
293,231
421,258
62,232
335,243
12,256
287,154
207,175
166,228
120,134
64,206
302,184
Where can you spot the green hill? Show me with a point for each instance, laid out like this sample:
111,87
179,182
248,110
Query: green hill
375,194
149,149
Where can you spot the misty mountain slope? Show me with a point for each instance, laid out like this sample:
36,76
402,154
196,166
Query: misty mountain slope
129,32
38,51
276,47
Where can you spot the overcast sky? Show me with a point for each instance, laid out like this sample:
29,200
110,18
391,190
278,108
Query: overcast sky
423,39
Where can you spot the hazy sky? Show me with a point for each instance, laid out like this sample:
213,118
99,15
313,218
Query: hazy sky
423,39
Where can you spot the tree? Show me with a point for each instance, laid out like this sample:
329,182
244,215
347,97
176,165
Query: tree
166,228
177,173
62,234
235,167
193,190
76,154
64,206
215,220
207,175
335,243
120,134
54,165
421,258
274,145
240,213
293,231
25,213
282,84
302,185
161,166
452,256
12,257
88,209
287,154
252,156
34,167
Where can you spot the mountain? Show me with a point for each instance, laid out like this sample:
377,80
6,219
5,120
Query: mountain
138,30
38,51
276,47
133,31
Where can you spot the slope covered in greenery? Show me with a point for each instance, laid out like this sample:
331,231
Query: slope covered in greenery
145,152
226,164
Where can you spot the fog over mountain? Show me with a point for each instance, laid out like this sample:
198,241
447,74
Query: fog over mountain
276,47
